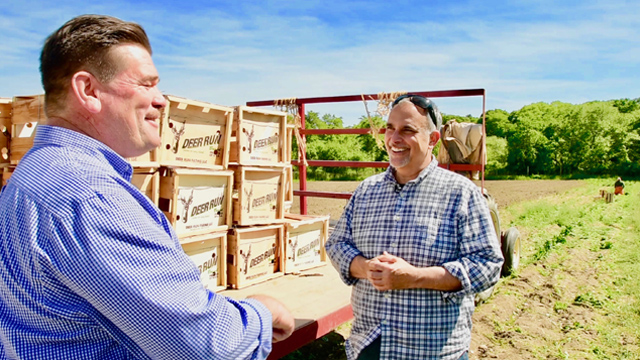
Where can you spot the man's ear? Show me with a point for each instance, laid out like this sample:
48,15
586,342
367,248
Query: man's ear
434,137
84,87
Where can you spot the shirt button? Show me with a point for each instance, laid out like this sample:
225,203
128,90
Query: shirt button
396,218
387,295
394,244
384,322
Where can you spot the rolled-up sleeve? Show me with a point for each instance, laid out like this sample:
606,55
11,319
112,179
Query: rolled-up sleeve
480,261
340,246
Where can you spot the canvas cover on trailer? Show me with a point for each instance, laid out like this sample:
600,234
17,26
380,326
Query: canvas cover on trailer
462,144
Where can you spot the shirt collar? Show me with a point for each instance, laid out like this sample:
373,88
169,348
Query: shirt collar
55,135
389,176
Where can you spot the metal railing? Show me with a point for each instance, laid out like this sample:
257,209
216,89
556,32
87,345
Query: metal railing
303,193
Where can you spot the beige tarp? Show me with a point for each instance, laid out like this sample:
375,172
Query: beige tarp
461,144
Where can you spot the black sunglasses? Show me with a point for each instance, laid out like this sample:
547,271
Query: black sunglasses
422,102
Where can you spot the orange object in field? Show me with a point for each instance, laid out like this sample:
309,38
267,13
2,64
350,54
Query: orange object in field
619,190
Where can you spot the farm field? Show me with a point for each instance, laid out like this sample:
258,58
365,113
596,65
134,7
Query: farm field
574,295
506,192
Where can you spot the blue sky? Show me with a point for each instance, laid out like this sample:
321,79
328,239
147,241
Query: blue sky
231,52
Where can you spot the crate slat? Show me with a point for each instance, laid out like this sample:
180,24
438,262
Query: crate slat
5,127
147,179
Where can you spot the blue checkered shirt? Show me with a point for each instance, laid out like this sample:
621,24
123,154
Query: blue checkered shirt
438,219
91,269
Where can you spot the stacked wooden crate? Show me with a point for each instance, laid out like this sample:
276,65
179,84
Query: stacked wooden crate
305,239
257,157
26,113
194,186
305,236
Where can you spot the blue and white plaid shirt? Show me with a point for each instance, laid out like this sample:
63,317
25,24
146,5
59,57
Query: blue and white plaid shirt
438,219
91,269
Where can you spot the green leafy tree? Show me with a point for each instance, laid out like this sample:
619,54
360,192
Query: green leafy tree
626,106
368,143
497,123
497,155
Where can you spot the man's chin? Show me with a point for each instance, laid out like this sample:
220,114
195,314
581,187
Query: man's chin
398,164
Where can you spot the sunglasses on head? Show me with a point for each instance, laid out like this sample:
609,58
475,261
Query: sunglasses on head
422,102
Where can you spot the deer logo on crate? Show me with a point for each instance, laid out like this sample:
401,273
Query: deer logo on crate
250,136
249,194
186,204
294,245
176,136
245,257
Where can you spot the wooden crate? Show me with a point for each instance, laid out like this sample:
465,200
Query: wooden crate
6,171
258,195
5,126
305,237
26,113
196,201
258,137
147,179
254,255
194,134
208,253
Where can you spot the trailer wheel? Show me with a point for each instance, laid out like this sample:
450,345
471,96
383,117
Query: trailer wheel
495,217
511,251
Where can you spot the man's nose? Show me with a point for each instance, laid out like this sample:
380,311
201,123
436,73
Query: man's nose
159,102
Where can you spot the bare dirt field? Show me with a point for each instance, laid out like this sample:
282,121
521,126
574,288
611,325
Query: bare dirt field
506,192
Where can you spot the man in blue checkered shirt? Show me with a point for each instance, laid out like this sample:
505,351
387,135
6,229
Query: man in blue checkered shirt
90,268
416,242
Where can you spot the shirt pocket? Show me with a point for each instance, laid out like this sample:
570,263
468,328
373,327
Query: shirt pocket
427,228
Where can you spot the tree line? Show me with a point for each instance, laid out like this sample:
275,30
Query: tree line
597,138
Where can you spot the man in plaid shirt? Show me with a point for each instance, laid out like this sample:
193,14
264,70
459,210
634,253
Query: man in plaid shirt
416,242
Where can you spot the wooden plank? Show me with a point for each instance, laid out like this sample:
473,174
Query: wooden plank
317,298
5,129
147,179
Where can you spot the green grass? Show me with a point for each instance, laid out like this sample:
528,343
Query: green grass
581,219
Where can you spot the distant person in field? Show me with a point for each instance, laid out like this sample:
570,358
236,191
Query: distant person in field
619,187
416,242
90,268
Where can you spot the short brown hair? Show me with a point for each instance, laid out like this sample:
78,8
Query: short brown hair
83,43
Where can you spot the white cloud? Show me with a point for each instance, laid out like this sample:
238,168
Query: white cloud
232,52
